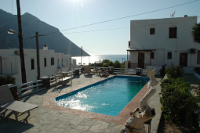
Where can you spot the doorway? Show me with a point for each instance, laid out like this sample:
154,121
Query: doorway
141,60
183,59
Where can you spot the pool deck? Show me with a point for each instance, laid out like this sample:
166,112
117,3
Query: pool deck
50,117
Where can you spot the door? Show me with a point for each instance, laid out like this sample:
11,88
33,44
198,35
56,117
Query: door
183,59
141,60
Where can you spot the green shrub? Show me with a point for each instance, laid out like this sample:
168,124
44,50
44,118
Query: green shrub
105,61
123,65
98,64
117,64
110,63
196,32
105,65
174,72
6,80
91,64
178,104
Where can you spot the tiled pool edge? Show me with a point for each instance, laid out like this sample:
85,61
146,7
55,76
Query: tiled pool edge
49,103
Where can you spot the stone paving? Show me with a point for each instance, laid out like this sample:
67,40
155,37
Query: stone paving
46,120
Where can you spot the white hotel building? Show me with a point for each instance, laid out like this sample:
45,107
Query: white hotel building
50,63
158,42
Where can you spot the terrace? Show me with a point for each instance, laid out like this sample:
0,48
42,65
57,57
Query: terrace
52,118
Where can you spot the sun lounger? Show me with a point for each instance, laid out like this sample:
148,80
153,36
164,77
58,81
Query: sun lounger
96,71
62,77
103,72
7,102
87,69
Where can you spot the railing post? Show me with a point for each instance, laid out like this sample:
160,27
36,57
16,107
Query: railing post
37,84
49,79
46,81
19,91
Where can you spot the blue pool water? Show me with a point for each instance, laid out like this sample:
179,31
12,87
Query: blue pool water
106,97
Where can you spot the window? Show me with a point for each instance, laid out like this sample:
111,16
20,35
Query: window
198,57
32,64
169,55
172,32
152,31
152,55
52,61
45,62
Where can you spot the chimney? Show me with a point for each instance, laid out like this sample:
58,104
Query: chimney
45,47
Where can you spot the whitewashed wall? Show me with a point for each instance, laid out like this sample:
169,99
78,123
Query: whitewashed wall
10,63
140,39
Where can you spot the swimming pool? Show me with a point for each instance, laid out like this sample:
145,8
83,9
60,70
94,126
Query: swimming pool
106,97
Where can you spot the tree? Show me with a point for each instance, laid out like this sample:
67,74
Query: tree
105,61
117,64
196,33
110,63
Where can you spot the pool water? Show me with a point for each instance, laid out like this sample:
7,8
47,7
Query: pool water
106,97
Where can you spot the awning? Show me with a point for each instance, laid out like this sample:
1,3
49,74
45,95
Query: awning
141,50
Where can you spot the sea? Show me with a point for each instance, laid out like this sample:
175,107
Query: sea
97,58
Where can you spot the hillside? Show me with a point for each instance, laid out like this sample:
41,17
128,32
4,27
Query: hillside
31,24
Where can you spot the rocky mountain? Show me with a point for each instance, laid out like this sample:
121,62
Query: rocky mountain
53,38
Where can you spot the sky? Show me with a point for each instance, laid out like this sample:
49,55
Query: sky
101,27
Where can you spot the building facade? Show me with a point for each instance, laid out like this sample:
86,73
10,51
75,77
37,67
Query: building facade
50,63
159,42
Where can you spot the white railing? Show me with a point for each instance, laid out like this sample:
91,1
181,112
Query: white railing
135,65
125,70
28,88
52,79
120,70
35,86
129,71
